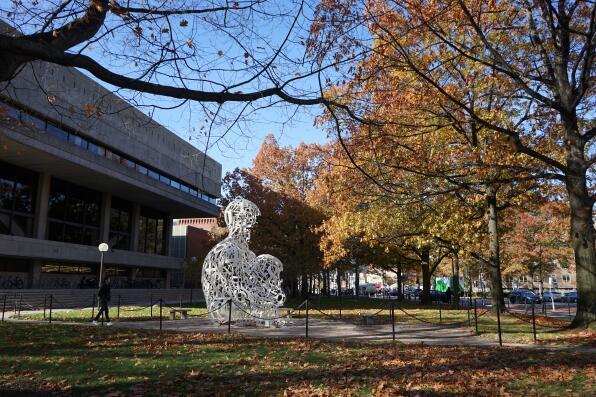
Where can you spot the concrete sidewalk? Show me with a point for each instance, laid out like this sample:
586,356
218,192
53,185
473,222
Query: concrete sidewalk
332,330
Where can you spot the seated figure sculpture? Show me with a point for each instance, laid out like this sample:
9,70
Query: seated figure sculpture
232,272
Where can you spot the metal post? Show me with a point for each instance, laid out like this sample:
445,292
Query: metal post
468,310
569,307
440,313
118,315
160,319
51,304
340,302
307,318
151,306
20,304
533,322
476,315
3,307
499,323
100,269
93,307
45,302
230,316
393,321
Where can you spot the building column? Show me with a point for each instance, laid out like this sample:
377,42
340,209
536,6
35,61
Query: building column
168,279
134,227
34,273
104,220
42,199
168,228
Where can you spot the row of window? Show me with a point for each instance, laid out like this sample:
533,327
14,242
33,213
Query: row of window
103,151
74,214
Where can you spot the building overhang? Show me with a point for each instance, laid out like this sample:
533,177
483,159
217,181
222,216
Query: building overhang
30,248
43,153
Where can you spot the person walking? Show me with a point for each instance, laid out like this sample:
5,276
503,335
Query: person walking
104,298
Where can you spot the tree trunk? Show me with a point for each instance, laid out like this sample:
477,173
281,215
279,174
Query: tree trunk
304,286
338,282
400,282
455,282
582,228
425,267
496,288
356,281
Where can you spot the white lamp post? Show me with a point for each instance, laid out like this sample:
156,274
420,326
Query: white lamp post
103,247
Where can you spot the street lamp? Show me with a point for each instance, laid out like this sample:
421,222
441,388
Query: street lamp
103,247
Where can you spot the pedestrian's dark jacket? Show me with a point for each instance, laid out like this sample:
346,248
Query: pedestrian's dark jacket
104,292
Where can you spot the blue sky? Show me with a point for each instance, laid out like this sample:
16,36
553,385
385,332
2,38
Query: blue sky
289,129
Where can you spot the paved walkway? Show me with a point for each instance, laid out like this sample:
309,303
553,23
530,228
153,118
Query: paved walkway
408,333
328,330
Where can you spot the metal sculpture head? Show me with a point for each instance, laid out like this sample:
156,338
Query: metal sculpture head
241,214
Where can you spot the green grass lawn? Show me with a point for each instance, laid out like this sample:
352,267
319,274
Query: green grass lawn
68,359
513,329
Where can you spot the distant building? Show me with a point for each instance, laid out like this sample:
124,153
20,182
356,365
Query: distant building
80,166
191,240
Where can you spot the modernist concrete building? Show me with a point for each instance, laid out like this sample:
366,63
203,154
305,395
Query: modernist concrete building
80,166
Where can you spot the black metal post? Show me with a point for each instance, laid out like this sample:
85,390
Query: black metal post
151,306
20,304
230,316
440,313
92,307
468,310
307,318
569,307
393,321
160,318
51,304
45,302
340,303
499,323
533,322
118,315
3,307
476,315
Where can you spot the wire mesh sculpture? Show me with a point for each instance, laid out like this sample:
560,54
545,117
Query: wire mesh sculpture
232,272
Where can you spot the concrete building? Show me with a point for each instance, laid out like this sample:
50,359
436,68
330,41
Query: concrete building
192,239
80,166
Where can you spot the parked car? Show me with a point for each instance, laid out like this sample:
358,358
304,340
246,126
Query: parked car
551,296
570,297
523,295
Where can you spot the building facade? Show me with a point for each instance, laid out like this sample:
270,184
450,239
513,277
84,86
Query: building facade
80,166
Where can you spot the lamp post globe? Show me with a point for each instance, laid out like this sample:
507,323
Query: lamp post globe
103,247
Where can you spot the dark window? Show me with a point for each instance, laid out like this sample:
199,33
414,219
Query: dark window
120,223
17,192
33,121
151,232
141,169
164,179
57,132
73,213
77,140
92,147
10,111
